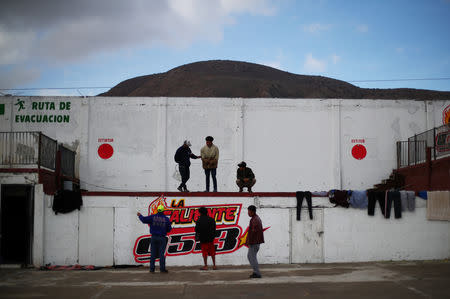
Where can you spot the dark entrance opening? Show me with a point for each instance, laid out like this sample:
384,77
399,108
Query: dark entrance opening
16,224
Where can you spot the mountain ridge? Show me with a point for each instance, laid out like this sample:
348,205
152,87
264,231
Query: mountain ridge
236,79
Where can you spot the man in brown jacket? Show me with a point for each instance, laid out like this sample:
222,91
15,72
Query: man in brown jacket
255,237
210,158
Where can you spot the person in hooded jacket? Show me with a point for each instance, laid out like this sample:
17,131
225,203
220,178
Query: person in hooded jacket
159,227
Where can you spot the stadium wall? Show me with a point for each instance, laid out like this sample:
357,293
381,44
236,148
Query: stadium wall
106,232
291,144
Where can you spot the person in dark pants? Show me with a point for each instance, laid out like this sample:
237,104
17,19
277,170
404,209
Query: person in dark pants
182,157
255,237
205,232
159,227
210,158
245,177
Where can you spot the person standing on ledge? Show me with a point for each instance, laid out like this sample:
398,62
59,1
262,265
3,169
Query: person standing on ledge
245,177
159,227
182,157
255,236
210,158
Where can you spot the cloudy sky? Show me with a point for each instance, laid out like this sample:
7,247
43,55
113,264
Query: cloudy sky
99,43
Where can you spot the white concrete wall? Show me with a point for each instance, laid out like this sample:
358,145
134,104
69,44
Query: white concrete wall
105,230
363,238
380,124
291,144
61,231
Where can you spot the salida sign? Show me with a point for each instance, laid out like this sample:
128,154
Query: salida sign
181,240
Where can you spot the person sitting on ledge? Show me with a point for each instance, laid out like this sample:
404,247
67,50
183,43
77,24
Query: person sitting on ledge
245,177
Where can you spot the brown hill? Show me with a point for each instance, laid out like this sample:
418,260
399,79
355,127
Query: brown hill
234,79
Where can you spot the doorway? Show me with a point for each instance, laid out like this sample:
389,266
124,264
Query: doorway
16,225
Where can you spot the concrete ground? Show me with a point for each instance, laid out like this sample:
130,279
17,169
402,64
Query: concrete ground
422,279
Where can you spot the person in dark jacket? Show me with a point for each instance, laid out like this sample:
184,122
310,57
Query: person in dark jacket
255,236
245,177
182,157
205,232
159,227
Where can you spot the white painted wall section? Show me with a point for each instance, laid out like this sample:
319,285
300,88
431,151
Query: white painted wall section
291,144
107,235
96,236
360,238
61,236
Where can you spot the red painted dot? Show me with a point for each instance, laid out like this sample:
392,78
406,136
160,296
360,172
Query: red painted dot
105,151
359,152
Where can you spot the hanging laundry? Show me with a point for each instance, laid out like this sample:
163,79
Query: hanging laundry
408,199
320,193
411,200
422,194
374,197
358,199
65,201
393,196
438,205
339,198
404,199
300,195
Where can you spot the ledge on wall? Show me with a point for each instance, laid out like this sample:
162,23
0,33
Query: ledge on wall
190,194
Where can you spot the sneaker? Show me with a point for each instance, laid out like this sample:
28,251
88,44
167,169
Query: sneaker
185,189
164,271
241,189
254,275
152,271
250,190
180,189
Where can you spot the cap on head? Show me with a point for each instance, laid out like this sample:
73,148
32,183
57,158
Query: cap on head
187,142
242,164
160,208
209,138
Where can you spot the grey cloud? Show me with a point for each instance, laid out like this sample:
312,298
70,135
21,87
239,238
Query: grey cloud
67,30
10,77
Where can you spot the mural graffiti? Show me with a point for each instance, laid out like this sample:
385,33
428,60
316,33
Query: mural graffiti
181,240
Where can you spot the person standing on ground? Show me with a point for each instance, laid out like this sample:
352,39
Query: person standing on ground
210,158
255,237
205,232
159,227
182,157
245,177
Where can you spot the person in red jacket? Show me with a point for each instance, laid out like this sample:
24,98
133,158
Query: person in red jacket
255,236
